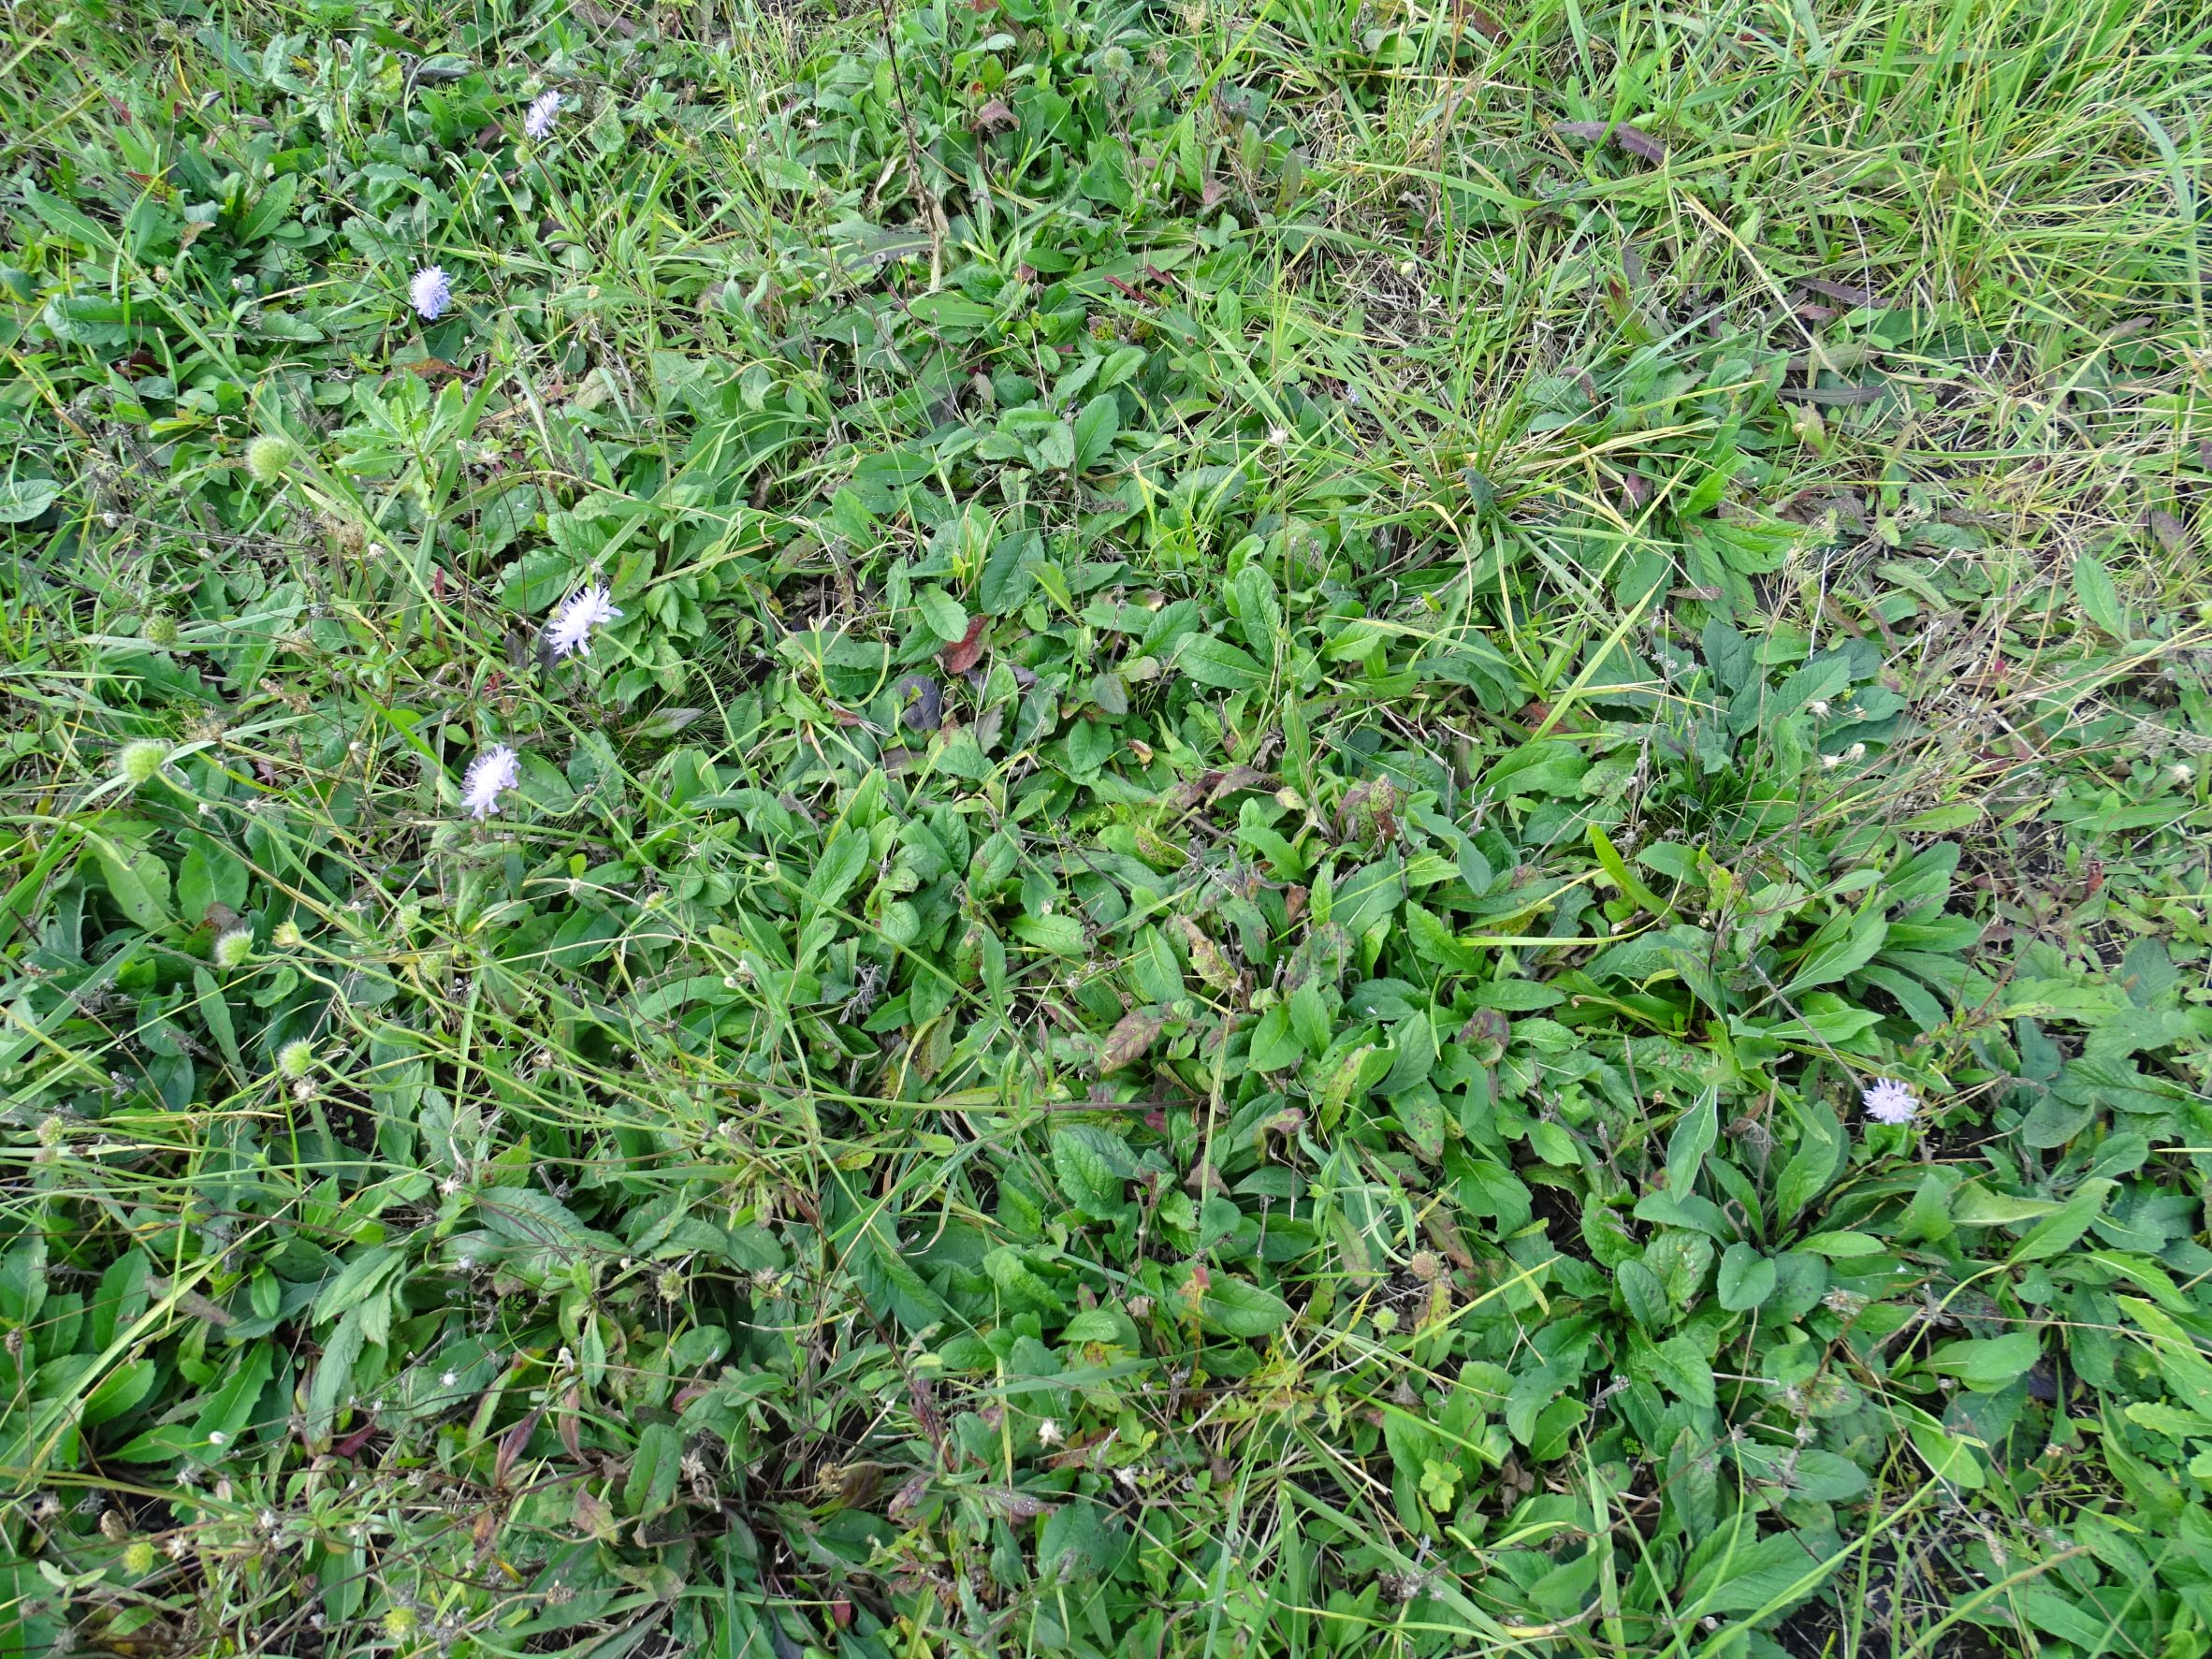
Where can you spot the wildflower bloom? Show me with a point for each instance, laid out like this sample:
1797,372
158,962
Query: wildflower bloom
430,293
538,121
491,773
1890,1101
577,616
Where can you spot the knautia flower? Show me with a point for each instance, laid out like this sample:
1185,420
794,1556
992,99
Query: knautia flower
430,293
538,121
1890,1101
495,770
575,617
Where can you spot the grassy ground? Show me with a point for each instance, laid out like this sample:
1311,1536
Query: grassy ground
1303,697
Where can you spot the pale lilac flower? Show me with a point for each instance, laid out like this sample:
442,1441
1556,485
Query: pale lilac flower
538,121
1890,1101
495,770
575,617
431,292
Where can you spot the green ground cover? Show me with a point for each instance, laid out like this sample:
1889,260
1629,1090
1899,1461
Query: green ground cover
1290,711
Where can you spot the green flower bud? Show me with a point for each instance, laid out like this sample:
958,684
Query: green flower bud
138,760
267,457
295,1058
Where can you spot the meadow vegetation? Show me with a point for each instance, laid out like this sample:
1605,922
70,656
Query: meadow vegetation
971,827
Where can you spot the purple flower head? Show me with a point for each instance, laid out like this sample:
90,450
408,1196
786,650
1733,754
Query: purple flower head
430,293
495,770
1890,1101
537,121
575,617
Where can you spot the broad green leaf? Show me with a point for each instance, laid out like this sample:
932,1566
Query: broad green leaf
23,500
947,620
1845,944
842,861
650,1485
2060,1229
138,880
1091,1163
1214,661
1060,934
2099,598
1236,1307
1259,612
1694,1133
1987,1363
1096,429
1747,1278
333,1380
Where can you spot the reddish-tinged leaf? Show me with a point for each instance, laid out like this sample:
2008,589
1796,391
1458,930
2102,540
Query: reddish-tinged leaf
1626,137
1638,143
924,1398
963,654
511,1445
1842,293
1231,781
905,1500
1211,191
571,1410
594,1516
1484,25
996,117
600,18
1131,1039
2173,535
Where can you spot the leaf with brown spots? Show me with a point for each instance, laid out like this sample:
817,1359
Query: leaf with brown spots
1131,1039
1206,959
